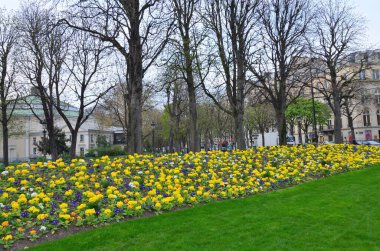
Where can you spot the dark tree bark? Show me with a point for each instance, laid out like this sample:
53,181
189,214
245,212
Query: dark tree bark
8,37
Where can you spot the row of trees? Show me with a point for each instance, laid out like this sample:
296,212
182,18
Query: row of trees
228,50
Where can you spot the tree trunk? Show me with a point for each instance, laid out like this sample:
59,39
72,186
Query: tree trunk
263,138
281,125
239,130
194,143
4,119
5,140
337,121
135,74
299,133
177,139
350,124
73,147
171,134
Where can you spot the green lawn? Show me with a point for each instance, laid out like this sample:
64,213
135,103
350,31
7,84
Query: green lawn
337,213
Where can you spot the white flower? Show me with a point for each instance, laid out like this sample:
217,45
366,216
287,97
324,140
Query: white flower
42,228
22,188
175,176
140,172
31,189
41,206
4,173
2,205
34,194
131,184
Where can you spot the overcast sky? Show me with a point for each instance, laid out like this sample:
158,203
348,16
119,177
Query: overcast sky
370,9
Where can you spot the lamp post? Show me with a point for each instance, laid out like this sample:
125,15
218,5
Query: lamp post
44,145
299,120
153,128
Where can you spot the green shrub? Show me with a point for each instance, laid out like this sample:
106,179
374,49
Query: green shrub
109,150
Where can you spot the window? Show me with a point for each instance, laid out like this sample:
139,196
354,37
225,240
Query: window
34,140
375,74
81,151
378,117
92,138
377,95
81,138
362,75
366,118
365,98
34,150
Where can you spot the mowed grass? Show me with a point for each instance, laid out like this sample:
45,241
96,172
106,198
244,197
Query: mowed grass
336,213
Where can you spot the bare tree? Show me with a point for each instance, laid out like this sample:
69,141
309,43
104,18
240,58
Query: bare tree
337,30
234,26
135,29
43,50
86,83
280,66
186,22
176,101
8,96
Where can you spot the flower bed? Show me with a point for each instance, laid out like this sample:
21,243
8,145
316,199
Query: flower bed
43,197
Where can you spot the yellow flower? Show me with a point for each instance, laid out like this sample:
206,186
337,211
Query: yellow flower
42,216
89,212
8,237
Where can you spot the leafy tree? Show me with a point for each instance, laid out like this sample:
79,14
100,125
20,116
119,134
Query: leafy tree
101,141
60,141
302,110
259,118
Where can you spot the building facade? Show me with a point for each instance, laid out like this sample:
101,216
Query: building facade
27,131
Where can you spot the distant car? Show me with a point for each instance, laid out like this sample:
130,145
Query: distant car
370,143
290,141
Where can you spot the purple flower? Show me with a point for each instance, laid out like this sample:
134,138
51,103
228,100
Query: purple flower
52,212
54,222
25,214
117,210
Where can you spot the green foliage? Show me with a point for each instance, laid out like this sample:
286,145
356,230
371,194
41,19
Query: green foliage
101,141
259,117
60,139
302,109
107,150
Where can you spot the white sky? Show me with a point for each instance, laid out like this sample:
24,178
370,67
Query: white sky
369,9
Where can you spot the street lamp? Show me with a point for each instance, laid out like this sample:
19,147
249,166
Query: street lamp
43,123
299,120
153,127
